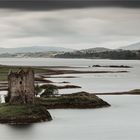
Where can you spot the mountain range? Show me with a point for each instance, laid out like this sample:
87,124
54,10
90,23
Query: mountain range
44,51
131,47
135,46
34,49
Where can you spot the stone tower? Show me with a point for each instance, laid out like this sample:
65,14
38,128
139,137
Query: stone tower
21,88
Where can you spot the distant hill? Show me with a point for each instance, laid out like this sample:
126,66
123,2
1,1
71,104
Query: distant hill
97,49
111,54
34,49
135,46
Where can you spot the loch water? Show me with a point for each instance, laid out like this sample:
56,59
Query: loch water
118,122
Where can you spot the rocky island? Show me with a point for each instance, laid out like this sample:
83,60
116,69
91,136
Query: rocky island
79,100
20,106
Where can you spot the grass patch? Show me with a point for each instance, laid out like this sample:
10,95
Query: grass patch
7,110
21,114
4,70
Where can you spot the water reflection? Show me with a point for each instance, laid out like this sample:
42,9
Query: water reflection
17,132
20,126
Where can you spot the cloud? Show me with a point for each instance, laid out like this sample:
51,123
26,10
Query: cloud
74,28
66,4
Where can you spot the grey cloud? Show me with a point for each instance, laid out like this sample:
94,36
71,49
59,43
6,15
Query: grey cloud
66,4
89,27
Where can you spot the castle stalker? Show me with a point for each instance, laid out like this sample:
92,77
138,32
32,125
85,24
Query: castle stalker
21,88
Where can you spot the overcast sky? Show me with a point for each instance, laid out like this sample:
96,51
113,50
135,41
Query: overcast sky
70,27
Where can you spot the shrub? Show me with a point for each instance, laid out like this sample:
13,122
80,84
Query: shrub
50,90
38,89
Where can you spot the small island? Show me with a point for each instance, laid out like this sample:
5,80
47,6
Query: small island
111,66
20,104
80,100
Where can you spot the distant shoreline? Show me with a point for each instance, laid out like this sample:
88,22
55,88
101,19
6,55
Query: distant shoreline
131,92
47,72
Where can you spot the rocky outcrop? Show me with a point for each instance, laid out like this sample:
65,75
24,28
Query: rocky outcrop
75,100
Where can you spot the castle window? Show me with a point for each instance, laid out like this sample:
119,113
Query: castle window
20,82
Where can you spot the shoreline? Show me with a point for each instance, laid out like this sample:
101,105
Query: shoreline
45,72
131,92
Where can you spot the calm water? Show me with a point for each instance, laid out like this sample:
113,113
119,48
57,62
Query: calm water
89,82
118,122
